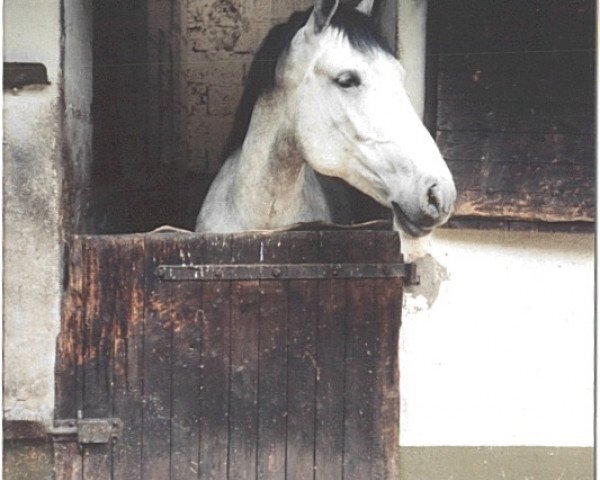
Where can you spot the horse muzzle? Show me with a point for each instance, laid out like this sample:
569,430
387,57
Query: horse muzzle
436,199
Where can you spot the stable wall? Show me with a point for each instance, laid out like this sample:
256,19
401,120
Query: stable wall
497,350
497,343
499,358
46,165
32,220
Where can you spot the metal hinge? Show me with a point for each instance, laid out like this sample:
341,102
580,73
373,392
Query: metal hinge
307,271
87,430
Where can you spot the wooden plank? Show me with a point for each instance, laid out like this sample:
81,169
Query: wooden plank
388,305
68,461
302,361
245,311
524,116
69,387
549,192
488,26
361,442
524,206
568,227
128,334
331,339
272,381
215,350
513,147
526,76
186,364
99,300
96,462
479,223
532,178
158,337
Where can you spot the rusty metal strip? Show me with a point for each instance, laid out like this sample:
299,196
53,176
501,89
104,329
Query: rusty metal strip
307,271
87,431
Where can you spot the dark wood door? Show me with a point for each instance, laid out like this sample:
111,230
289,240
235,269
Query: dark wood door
511,102
265,377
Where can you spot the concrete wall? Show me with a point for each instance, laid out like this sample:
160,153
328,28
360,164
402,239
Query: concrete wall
32,217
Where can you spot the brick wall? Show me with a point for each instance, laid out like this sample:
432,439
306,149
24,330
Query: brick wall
218,42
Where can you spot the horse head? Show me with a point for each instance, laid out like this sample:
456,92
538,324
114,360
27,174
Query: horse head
353,119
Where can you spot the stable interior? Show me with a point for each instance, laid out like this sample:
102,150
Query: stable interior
165,81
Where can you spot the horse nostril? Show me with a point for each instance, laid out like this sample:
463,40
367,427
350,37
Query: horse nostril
434,208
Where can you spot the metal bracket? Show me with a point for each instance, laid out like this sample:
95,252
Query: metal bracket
412,276
306,271
21,74
88,430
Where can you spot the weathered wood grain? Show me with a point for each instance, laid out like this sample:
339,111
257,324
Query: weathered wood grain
516,148
69,381
331,340
215,349
243,401
514,116
511,25
387,393
68,461
128,338
362,457
514,84
187,366
549,179
302,362
158,341
99,297
524,206
272,358
542,177
523,76
244,379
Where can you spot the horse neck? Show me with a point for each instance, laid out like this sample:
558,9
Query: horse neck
270,179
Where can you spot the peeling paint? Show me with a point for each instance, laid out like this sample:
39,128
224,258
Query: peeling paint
432,274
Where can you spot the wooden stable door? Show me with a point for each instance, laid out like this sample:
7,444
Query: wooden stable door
247,356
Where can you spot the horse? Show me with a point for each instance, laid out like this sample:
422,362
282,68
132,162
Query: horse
328,101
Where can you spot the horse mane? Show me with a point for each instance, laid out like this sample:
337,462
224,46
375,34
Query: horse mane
359,29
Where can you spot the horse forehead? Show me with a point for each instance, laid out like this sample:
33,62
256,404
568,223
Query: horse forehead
337,50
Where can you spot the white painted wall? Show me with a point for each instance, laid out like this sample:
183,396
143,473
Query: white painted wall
412,17
31,212
503,354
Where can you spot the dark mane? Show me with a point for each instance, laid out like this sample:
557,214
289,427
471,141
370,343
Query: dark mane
358,28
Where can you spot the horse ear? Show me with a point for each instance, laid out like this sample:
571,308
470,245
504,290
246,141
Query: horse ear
366,6
323,12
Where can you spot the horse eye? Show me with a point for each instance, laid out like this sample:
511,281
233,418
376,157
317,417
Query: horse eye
348,80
